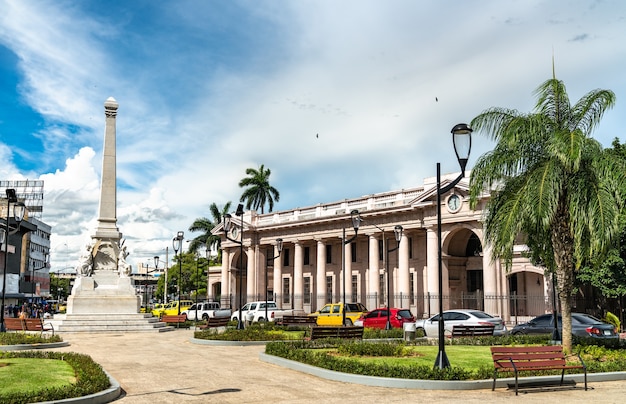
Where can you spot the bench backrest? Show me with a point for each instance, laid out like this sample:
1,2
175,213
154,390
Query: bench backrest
13,324
33,324
527,357
217,321
472,330
174,318
336,332
299,320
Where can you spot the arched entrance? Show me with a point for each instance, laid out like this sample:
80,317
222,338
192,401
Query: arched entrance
238,278
463,253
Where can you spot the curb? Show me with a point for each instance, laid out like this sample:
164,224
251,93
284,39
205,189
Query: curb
427,384
217,342
25,347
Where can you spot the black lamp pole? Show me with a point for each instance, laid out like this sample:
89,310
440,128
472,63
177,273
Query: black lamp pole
279,247
177,245
227,228
19,209
397,231
356,221
462,140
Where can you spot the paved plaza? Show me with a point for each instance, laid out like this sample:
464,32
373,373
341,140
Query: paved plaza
169,368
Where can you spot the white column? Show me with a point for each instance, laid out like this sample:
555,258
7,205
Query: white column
298,288
348,273
320,284
403,273
225,278
373,287
490,282
278,278
250,275
432,263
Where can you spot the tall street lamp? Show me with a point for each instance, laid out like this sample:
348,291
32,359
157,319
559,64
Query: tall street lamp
227,228
19,209
279,247
177,245
356,222
397,231
462,141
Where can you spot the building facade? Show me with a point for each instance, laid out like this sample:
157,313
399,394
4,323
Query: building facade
313,270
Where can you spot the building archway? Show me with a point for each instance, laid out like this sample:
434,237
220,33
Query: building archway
462,250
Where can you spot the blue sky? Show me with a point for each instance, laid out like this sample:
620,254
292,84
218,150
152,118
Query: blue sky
209,88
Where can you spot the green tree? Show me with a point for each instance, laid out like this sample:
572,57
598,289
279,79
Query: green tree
193,270
258,192
551,182
206,225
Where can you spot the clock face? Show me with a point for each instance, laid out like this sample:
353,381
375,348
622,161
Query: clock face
454,203
234,233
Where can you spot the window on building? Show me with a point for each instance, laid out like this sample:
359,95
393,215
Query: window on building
307,255
381,247
353,251
329,289
307,289
383,289
329,253
410,240
285,257
269,253
286,290
355,288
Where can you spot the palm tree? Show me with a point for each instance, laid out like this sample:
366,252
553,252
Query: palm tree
205,225
259,191
551,182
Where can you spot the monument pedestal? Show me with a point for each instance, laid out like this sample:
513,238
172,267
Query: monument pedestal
103,293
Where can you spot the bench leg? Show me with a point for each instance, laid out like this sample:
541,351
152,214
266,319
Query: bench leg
495,373
516,382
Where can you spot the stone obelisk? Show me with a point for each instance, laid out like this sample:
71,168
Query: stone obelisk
103,284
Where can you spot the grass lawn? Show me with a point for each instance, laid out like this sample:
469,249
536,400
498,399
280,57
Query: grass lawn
465,356
31,374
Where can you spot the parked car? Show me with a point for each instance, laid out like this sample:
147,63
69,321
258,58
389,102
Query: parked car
158,309
430,326
377,318
332,314
583,325
256,312
172,307
205,310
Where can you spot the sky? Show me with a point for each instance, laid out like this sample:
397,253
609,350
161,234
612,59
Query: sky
339,99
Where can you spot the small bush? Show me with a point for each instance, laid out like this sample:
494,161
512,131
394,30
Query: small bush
17,338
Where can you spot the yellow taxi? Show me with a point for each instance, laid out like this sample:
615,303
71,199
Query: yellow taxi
172,308
332,314
158,309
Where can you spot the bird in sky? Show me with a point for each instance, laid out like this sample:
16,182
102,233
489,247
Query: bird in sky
436,99
317,135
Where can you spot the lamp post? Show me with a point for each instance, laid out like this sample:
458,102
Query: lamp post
462,141
177,245
355,217
19,209
397,231
227,229
279,247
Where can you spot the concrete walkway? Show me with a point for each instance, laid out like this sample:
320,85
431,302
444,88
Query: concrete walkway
168,368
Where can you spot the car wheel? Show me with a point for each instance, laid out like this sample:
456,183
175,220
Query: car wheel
205,317
261,320
348,322
418,330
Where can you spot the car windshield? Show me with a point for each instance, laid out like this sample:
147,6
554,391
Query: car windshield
405,313
480,314
585,319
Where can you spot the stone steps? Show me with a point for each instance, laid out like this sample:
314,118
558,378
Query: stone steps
110,323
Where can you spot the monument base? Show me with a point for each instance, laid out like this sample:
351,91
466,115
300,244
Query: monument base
103,293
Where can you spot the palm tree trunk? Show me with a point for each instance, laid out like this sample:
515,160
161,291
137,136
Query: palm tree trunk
563,247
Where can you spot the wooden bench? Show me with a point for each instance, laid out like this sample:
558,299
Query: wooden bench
214,322
174,318
28,324
336,332
297,320
532,358
472,330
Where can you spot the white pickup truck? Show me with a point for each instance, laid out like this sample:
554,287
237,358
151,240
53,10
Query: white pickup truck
256,311
205,310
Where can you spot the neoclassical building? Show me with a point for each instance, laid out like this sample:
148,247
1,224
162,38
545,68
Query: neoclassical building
311,268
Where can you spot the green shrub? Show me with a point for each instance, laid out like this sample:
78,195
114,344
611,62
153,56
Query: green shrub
90,378
16,338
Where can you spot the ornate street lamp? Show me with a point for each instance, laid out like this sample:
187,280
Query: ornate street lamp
227,229
279,247
397,231
462,141
177,245
355,217
19,210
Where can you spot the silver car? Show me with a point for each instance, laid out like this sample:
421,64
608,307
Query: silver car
430,326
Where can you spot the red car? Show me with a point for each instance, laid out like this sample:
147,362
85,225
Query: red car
377,318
